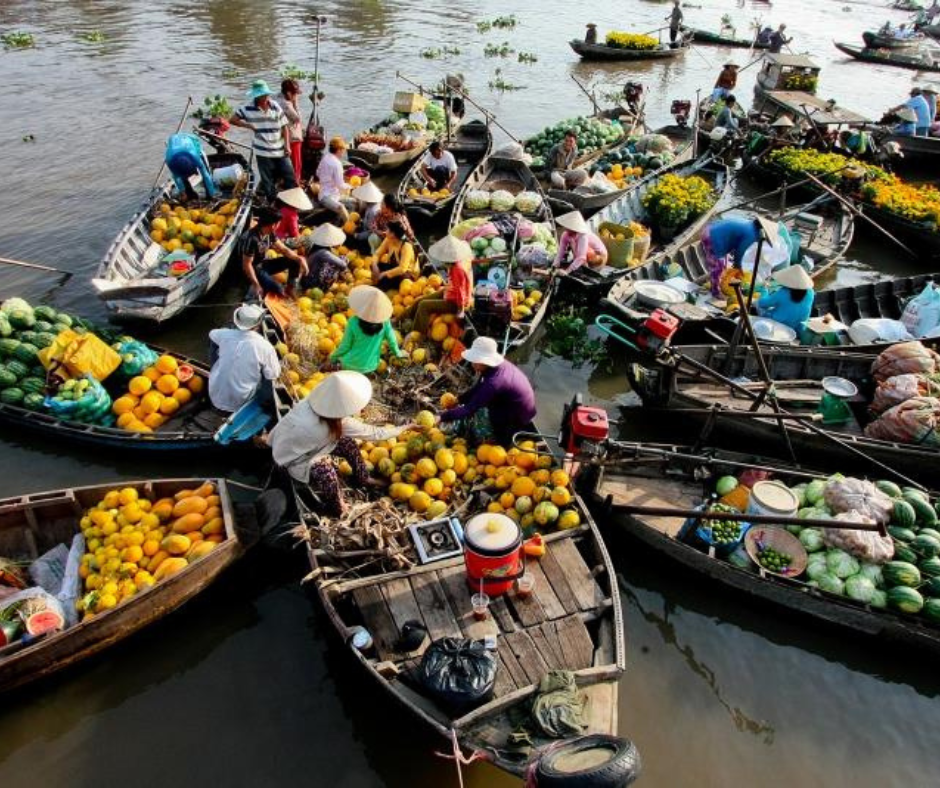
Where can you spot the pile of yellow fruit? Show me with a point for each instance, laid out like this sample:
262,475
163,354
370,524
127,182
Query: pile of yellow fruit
621,176
133,542
190,228
426,470
427,194
156,394
523,306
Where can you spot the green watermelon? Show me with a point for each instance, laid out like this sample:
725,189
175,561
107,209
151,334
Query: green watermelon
63,319
888,488
44,339
45,312
18,368
901,534
932,587
20,318
900,573
905,599
42,325
5,328
8,346
903,552
7,378
926,515
904,515
33,401
932,610
930,532
27,354
926,546
12,396
929,567
27,336
31,384
58,328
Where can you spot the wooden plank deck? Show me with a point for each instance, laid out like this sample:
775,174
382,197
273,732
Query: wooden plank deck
639,490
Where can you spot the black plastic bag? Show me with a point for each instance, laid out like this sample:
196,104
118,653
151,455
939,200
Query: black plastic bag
459,674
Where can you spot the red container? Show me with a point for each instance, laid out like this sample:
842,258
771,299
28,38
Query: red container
493,553
589,423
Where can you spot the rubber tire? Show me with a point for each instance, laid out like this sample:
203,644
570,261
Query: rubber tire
622,769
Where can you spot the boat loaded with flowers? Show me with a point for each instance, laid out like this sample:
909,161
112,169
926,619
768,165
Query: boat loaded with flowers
629,46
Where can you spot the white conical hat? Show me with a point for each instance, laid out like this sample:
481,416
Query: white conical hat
484,350
370,303
450,249
296,198
795,276
783,122
907,114
328,235
342,394
368,192
573,221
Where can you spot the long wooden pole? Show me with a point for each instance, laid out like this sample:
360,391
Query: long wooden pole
189,103
768,519
36,266
586,92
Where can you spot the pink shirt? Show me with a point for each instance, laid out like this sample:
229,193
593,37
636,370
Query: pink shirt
579,244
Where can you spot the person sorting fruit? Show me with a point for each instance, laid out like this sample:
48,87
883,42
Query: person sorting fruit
245,360
439,167
457,296
271,143
369,197
252,248
326,267
578,243
330,178
559,164
724,238
370,326
791,303
184,158
391,210
502,402
290,203
322,426
395,259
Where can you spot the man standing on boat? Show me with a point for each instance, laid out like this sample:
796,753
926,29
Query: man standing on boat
560,161
439,167
675,21
778,40
245,360
271,143
921,109
726,82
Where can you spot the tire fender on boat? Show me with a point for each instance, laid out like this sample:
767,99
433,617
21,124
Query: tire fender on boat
609,762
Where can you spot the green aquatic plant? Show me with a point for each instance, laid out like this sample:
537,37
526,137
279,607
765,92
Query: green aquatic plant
498,50
567,337
216,106
528,57
290,71
500,85
93,37
18,40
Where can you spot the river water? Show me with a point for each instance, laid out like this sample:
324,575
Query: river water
246,686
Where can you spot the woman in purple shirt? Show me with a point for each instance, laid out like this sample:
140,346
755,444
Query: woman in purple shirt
503,389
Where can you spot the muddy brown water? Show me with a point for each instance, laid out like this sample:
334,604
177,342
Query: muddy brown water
246,685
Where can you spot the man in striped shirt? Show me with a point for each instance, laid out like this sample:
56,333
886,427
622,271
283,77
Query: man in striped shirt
271,142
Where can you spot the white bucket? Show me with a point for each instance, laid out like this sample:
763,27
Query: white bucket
772,498
228,177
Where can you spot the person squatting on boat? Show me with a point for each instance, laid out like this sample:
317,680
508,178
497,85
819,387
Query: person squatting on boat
245,360
439,167
252,248
185,158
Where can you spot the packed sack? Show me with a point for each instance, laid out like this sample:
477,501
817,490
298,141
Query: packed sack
913,421
903,358
901,388
868,546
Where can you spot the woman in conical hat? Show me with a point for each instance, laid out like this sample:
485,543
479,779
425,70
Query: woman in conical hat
456,297
792,303
366,331
578,241
323,426
326,266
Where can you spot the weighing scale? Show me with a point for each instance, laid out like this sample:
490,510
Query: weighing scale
833,405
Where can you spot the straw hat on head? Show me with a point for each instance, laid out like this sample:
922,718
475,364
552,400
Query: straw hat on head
370,304
484,350
929,89
258,89
573,221
337,142
342,394
795,276
730,65
783,122
450,250
296,198
328,235
907,114
247,316
368,192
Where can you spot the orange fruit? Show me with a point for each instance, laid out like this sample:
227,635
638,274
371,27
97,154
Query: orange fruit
196,384
497,455
182,395
167,384
152,374
139,385
124,419
150,402
523,486
169,406
124,404
154,420
166,365
560,478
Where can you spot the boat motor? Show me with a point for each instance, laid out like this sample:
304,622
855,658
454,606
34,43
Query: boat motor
583,428
680,110
657,331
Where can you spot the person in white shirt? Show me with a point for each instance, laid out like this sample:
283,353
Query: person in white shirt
245,360
439,167
330,178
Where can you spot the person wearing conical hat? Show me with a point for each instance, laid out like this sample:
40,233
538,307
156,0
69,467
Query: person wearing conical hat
457,295
366,331
792,302
323,426
326,266
245,360
290,203
578,243
271,143
369,204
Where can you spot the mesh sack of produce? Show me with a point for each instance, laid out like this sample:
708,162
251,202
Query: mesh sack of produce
858,495
84,400
528,202
459,673
135,358
534,255
502,200
653,143
901,388
903,358
477,200
869,546
913,421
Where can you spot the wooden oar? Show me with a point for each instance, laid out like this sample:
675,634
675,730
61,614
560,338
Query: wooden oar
586,92
189,103
36,266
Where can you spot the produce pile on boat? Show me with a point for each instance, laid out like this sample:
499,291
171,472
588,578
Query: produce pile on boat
639,156
593,134
906,400
157,393
133,542
194,228
676,200
401,132
502,201
638,41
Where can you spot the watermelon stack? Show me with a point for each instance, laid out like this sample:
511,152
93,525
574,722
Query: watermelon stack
592,134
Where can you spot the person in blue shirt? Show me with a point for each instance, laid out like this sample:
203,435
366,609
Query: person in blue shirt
184,158
727,237
727,118
921,109
792,302
907,125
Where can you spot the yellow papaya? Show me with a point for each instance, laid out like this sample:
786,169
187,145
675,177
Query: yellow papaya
183,494
187,523
156,560
216,538
169,568
211,513
193,503
207,489
214,526
163,508
176,544
213,500
199,550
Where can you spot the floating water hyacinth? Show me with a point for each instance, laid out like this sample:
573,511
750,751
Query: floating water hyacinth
498,50
18,40
93,37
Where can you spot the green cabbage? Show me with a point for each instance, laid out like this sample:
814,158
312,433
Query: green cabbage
841,564
878,599
814,492
831,583
811,539
528,202
872,572
800,492
501,200
498,245
478,200
859,588
816,569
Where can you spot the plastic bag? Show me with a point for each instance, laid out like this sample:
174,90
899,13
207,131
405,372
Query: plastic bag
458,673
901,388
135,358
922,313
92,407
653,143
869,330
869,546
913,421
902,358
858,495
56,571
772,257
512,150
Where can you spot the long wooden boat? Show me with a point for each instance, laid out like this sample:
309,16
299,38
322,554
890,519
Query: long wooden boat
191,428
603,52
379,162
590,202
471,143
717,39
877,40
512,175
924,238
32,524
677,383
635,475
919,62
920,153
629,208
128,280
826,228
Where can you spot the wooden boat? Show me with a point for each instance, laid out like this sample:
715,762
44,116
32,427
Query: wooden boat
676,381
787,72
918,62
32,524
681,477
590,202
512,175
128,279
924,238
920,153
471,143
630,208
603,52
379,162
826,229
191,428
717,39
878,40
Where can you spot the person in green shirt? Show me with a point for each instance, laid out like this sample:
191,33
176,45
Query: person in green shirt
361,347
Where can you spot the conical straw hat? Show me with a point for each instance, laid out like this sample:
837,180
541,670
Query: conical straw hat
368,192
296,198
450,249
342,394
328,235
369,303
573,221
795,276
